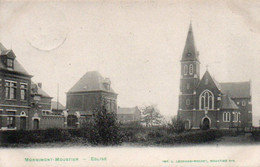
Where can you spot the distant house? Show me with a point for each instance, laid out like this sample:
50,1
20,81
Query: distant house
88,94
57,108
15,83
126,115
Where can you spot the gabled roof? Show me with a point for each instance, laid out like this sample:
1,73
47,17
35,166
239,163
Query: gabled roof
227,103
17,66
190,52
54,105
212,78
91,81
127,110
216,83
236,89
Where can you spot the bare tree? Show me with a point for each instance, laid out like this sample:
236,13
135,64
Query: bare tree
151,116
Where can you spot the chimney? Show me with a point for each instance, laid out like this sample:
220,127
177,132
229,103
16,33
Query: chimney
40,85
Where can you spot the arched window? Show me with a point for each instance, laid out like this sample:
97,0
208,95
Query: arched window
206,100
187,102
185,69
191,69
235,116
226,117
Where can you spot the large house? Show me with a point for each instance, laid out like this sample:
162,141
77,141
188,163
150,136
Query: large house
23,104
15,85
204,102
87,96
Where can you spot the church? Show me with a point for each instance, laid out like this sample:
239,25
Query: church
205,103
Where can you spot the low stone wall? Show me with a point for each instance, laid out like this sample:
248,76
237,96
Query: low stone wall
52,121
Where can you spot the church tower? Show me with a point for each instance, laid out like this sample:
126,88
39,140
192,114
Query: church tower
190,74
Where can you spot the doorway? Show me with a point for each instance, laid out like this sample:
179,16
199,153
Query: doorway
35,124
205,124
22,123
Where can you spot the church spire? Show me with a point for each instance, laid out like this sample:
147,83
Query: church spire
190,52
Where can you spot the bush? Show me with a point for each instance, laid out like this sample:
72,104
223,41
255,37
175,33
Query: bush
256,135
34,136
185,138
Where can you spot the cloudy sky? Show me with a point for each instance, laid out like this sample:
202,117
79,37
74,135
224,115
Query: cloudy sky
137,44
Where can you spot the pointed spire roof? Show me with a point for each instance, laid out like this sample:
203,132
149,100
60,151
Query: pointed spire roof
190,52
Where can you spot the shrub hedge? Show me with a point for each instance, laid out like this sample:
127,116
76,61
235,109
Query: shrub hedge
141,135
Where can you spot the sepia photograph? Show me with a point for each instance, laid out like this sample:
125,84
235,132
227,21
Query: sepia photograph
129,83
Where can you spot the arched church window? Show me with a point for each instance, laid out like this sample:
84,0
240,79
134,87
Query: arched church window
206,100
243,103
185,69
191,69
188,102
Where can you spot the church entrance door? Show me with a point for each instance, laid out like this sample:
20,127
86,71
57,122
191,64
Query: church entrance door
35,124
205,124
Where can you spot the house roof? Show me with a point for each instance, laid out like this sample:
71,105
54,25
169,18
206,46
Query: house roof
91,81
236,89
190,52
227,103
17,66
54,105
126,110
37,90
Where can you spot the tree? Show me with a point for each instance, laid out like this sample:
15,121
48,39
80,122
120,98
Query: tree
176,125
151,116
103,128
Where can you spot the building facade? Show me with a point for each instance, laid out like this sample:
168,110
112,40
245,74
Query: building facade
15,85
126,115
88,95
23,104
204,103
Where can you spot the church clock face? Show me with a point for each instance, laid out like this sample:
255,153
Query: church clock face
189,54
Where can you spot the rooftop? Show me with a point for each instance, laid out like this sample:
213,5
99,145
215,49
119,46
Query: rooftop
92,81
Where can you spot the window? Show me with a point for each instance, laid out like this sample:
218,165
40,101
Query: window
191,69
10,63
10,90
188,85
23,91
226,117
206,100
11,119
235,117
46,112
206,81
185,69
243,103
187,102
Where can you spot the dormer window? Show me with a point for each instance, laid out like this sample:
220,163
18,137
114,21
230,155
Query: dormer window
107,83
10,63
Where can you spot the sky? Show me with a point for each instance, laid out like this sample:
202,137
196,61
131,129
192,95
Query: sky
137,44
